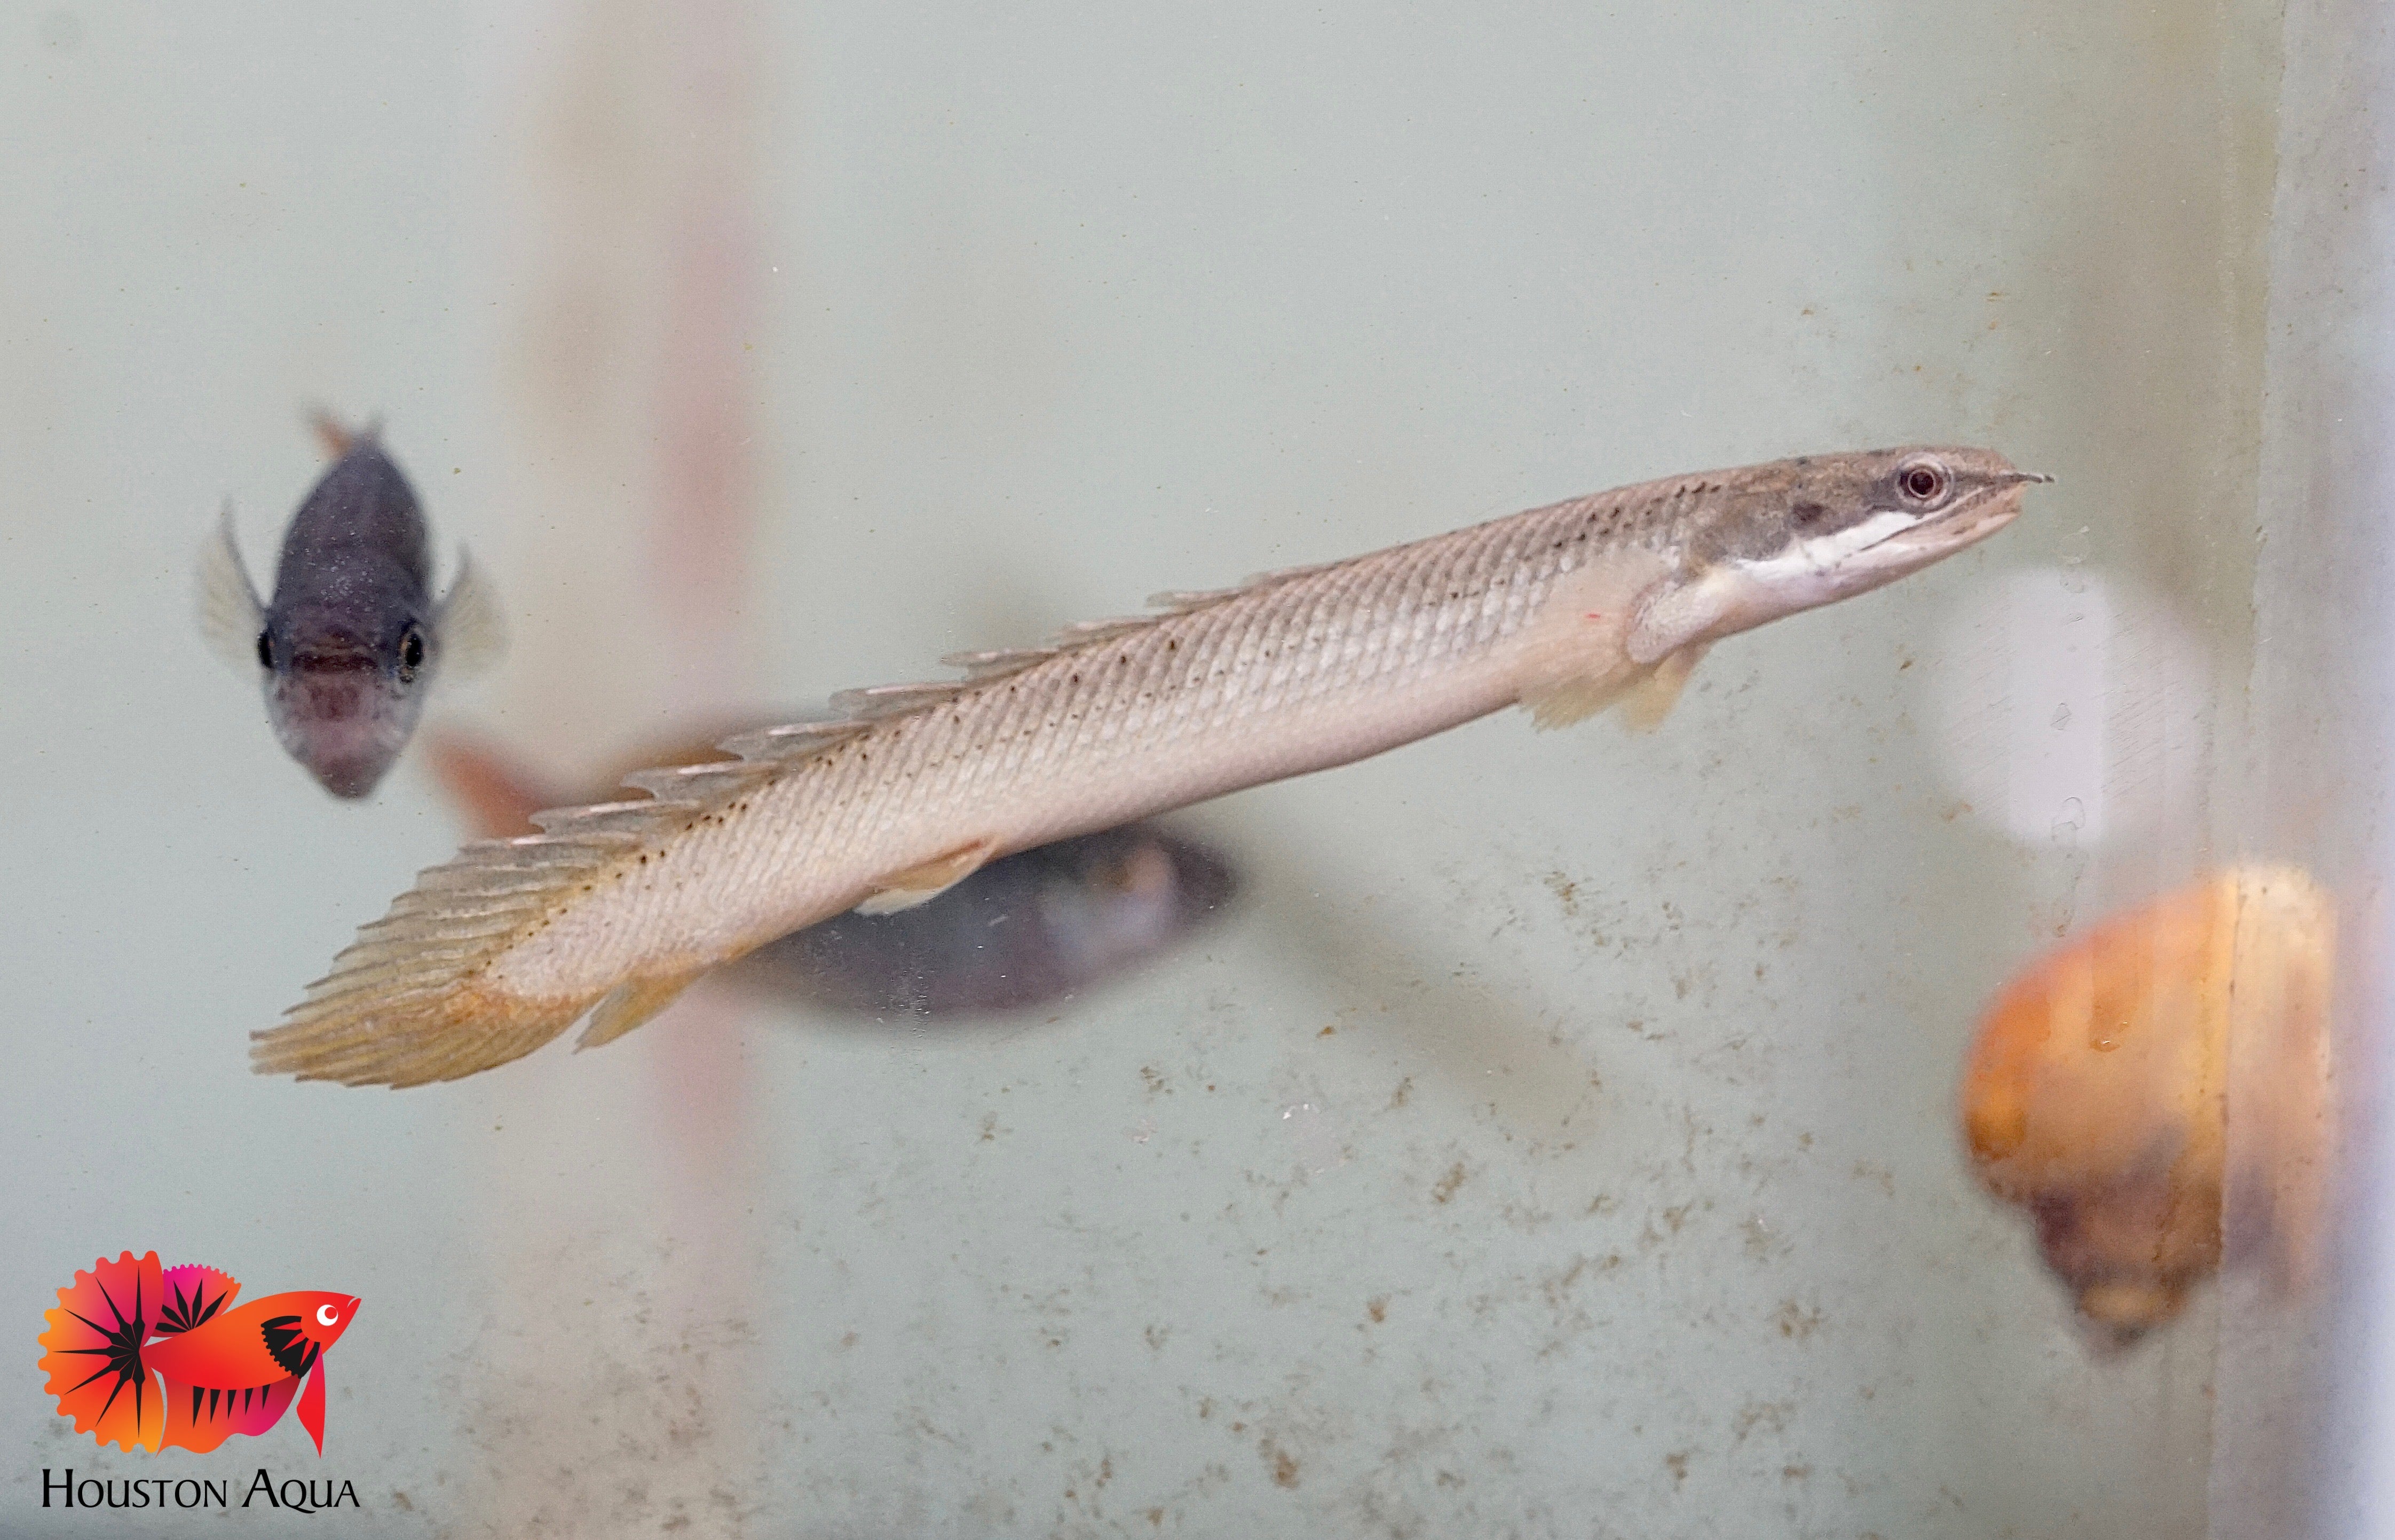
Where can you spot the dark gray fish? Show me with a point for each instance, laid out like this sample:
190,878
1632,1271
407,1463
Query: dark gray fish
1026,930
352,638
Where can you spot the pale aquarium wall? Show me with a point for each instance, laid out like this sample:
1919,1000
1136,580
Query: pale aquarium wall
1924,1087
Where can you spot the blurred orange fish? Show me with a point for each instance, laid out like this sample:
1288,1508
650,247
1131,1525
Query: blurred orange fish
2100,1091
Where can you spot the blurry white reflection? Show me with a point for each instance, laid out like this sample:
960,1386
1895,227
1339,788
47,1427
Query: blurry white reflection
2071,707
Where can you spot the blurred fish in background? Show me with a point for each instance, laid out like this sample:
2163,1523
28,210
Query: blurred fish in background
1028,930
353,639
2155,1093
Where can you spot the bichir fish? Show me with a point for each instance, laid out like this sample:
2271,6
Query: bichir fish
1026,930
353,637
1610,600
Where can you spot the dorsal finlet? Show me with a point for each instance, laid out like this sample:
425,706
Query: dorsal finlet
873,705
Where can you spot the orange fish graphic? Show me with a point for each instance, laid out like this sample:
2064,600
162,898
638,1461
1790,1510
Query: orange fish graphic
151,1358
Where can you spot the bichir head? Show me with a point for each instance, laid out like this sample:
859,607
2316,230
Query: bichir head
1842,524
1805,532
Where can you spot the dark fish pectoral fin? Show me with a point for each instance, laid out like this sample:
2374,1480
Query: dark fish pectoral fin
231,613
472,628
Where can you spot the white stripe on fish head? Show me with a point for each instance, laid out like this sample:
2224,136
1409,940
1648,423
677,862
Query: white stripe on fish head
1840,527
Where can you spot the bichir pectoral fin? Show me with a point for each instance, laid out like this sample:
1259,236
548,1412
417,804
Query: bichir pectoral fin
311,1405
923,883
1684,613
1573,700
632,1003
231,614
1646,703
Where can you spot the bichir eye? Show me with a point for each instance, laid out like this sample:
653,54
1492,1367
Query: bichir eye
411,653
266,649
1922,482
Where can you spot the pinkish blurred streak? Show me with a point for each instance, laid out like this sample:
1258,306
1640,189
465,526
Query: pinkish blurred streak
700,539
627,374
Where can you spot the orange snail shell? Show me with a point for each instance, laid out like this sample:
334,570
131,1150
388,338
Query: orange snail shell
2166,1068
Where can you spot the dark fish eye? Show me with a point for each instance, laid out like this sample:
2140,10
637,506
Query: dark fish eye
1922,482
266,649
411,653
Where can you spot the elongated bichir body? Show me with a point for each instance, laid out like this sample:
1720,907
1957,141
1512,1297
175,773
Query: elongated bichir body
1024,931
1565,609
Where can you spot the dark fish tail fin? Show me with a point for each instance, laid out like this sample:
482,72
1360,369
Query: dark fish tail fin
230,613
337,437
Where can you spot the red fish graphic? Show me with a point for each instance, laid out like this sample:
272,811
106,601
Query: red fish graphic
153,1359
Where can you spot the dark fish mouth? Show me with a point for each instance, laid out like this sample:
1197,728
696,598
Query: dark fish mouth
331,696
345,725
349,763
329,660
351,778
